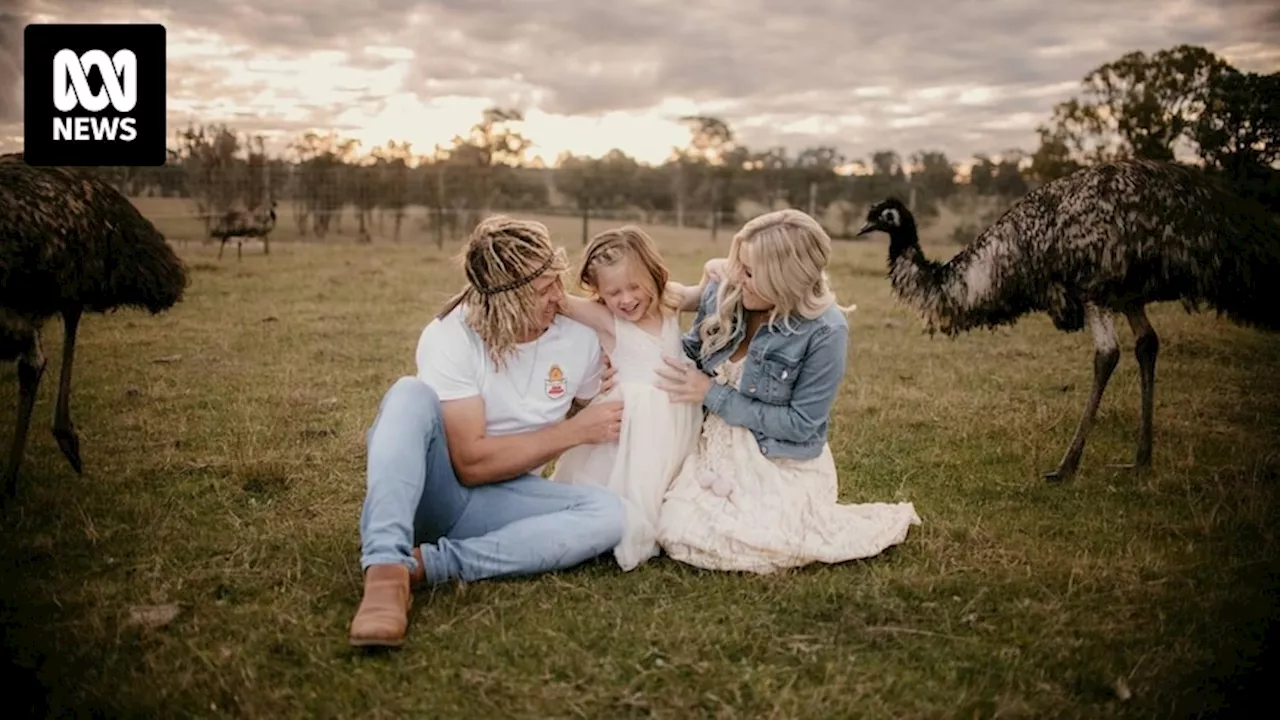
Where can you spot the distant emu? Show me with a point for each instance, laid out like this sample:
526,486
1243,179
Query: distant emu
236,225
1107,239
69,243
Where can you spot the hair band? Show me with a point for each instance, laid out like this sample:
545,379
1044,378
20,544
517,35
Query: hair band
518,282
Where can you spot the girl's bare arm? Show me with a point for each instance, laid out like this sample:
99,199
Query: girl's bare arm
590,313
690,295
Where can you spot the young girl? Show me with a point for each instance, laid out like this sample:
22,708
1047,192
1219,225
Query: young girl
637,323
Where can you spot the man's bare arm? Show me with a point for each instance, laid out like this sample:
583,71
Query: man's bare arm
479,459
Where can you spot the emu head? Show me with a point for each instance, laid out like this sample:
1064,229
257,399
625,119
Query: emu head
891,216
888,216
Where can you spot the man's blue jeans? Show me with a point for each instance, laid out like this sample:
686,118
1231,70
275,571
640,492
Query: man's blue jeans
518,527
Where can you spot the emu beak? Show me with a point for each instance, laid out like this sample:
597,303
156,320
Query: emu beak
869,227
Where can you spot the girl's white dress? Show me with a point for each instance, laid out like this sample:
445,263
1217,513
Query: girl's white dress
732,508
657,435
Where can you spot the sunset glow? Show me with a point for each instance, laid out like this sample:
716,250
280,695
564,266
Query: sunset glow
847,79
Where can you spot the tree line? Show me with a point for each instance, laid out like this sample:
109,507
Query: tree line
1184,103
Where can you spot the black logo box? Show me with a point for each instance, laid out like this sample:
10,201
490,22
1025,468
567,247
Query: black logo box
148,43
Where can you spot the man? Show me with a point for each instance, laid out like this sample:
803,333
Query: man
454,452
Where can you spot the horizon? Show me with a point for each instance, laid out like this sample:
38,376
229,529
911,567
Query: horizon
965,81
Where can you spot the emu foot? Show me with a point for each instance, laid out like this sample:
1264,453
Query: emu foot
1057,476
1141,463
69,444
1138,468
1065,469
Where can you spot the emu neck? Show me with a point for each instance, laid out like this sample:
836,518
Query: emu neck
901,242
917,281
907,262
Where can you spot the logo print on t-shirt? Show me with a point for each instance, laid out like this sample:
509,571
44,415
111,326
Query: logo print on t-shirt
555,382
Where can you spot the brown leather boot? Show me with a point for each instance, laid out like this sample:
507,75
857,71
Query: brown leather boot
383,616
419,575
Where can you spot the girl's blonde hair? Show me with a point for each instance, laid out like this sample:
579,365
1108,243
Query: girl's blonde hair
789,253
501,259
612,247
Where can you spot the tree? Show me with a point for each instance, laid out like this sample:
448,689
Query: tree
393,165
887,176
483,158
208,157
933,180
1009,182
596,183
1238,135
1052,159
321,180
934,174
1139,105
812,180
770,169
1241,123
705,170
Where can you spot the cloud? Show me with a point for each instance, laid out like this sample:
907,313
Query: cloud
923,74
12,20
961,77
1264,14
298,24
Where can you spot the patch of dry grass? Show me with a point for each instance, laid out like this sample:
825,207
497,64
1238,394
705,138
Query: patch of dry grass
224,459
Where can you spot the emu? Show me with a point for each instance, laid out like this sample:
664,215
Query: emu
1106,239
69,243
235,226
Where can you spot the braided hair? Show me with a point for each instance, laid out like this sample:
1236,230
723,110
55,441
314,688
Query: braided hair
502,258
627,243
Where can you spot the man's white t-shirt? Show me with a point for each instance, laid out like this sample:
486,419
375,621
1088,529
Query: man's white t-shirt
535,388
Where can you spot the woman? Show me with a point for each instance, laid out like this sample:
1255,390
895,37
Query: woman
759,492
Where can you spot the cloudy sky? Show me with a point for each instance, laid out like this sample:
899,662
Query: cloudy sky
962,76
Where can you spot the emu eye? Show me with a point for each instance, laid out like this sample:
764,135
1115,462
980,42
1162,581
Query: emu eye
891,216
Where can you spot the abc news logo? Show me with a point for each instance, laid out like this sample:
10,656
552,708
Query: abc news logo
71,91
95,95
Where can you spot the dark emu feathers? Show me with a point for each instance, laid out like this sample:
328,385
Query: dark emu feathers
69,243
1108,239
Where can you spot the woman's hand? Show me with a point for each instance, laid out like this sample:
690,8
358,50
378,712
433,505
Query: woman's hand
683,383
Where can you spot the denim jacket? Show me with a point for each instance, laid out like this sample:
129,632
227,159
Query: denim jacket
790,377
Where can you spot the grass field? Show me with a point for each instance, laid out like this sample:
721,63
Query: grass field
224,469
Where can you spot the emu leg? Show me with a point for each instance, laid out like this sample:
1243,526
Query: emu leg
221,245
239,249
1106,355
63,429
30,368
1146,348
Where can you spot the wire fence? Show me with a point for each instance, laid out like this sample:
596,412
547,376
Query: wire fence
440,204
353,201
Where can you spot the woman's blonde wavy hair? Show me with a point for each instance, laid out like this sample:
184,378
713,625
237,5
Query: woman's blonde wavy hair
789,252
627,242
502,258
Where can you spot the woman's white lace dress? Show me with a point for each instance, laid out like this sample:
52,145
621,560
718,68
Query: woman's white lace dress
732,508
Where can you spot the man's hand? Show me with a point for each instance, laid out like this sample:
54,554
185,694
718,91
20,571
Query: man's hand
606,377
479,458
599,423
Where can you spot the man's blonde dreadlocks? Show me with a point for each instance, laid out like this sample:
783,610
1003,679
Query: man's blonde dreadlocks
502,258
